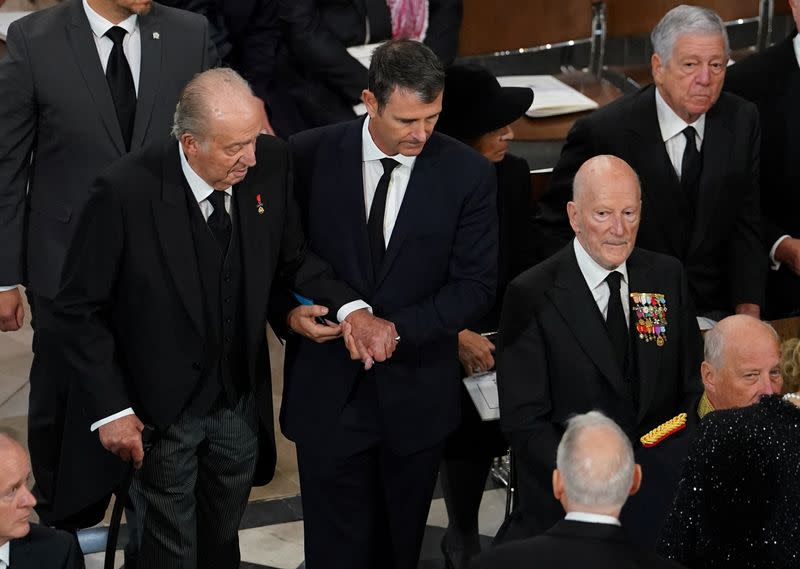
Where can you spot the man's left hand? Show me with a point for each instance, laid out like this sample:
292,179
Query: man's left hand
749,309
369,338
303,320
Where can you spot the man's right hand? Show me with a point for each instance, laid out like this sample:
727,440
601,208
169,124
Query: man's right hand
123,437
369,338
12,311
788,253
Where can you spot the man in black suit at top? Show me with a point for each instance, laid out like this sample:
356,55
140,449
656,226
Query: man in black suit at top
600,325
595,474
700,200
163,316
771,80
73,103
23,545
406,216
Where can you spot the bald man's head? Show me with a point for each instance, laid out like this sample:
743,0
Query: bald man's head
742,357
605,210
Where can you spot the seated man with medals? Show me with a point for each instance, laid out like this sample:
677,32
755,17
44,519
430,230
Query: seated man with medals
600,325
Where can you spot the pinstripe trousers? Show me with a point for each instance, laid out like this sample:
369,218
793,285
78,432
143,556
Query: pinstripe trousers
192,490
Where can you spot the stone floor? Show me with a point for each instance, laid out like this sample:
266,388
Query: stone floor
271,532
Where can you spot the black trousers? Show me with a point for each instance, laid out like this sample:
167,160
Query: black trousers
364,506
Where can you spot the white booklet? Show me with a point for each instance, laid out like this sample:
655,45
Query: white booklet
482,389
363,53
6,18
550,96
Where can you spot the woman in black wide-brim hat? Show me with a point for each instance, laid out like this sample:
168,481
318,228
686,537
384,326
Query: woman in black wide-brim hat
479,112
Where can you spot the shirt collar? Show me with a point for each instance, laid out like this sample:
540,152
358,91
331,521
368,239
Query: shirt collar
671,124
200,188
796,44
593,273
100,25
5,553
592,518
370,150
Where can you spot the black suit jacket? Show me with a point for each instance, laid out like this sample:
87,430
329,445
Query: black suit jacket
45,548
324,80
771,80
722,250
131,308
438,274
556,360
57,110
573,545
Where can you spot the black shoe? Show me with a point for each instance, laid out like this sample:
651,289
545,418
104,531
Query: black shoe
457,555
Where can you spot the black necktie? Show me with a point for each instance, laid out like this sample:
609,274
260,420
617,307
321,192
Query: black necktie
120,81
615,319
377,245
691,166
219,222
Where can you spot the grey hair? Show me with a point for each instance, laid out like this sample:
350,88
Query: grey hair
406,65
681,20
714,342
591,479
193,111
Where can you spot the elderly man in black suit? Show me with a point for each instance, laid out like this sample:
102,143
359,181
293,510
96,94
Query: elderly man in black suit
82,84
595,473
600,325
22,545
163,318
407,217
771,80
696,151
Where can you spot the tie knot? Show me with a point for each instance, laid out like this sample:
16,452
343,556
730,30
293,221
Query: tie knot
116,34
389,164
689,132
217,199
613,279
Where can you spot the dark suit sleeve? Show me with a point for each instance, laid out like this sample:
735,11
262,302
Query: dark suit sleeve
444,25
551,222
17,129
747,260
472,271
524,385
318,50
83,304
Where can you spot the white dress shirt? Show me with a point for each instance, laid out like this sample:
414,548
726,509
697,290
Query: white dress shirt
5,555
672,127
201,191
372,170
595,277
592,518
131,45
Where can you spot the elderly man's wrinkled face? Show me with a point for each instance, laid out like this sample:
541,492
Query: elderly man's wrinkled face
226,151
605,217
691,80
750,369
404,124
16,501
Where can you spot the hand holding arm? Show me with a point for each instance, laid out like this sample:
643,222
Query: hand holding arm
369,338
788,253
302,320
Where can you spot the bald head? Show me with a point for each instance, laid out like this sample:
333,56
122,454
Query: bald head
742,357
595,466
605,209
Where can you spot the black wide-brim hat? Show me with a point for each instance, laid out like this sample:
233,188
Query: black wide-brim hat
475,103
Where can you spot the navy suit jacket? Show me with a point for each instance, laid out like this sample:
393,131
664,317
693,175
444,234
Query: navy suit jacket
438,274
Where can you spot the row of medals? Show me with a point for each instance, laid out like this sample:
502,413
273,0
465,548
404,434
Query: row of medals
651,314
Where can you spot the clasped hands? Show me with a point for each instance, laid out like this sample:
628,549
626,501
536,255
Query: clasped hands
367,337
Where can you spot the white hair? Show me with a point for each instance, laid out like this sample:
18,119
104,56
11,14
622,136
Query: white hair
714,341
681,20
590,478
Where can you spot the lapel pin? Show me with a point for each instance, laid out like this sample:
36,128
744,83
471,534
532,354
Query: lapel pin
259,205
156,35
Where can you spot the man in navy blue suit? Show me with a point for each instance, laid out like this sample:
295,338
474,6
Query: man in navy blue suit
407,218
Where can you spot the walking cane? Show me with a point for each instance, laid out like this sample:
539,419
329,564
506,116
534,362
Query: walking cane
119,503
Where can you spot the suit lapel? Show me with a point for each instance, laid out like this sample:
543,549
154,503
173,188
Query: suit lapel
83,47
573,299
175,234
717,147
647,354
149,72
645,141
351,182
